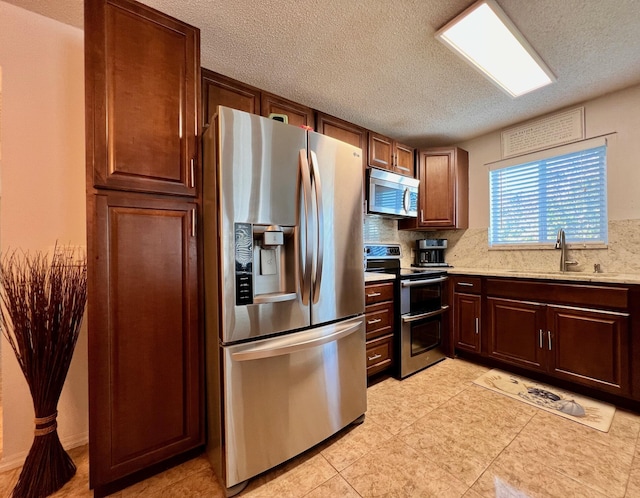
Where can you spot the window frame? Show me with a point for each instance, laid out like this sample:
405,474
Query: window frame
546,155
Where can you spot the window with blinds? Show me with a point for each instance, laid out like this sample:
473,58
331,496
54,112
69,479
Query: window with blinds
531,201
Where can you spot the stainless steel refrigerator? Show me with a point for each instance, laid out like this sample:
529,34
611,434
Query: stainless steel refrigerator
284,291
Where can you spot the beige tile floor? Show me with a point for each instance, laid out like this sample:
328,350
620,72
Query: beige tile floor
433,434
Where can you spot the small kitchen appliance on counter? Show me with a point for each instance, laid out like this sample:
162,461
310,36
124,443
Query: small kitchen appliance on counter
421,305
430,252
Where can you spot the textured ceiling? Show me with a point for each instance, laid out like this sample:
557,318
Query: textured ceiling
376,63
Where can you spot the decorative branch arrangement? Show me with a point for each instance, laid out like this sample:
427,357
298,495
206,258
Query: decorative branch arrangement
42,306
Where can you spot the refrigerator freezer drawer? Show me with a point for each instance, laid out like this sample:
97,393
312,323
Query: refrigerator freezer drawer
286,394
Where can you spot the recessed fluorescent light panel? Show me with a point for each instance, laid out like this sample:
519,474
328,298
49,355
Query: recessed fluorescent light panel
485,37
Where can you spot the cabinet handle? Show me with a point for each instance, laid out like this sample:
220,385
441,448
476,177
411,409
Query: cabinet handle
540,335
193,222
374,357
192,183
371,322
465,284
421,216
373,294
549,336
477,325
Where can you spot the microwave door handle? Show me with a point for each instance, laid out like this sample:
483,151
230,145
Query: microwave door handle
405,200
307,256
315,175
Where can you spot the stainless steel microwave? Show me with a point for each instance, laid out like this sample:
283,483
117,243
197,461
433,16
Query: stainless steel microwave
390,194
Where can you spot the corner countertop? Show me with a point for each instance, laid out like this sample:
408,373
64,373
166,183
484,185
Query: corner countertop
378,277
605,277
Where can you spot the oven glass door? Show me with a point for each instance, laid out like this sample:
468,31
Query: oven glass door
425,335
425,298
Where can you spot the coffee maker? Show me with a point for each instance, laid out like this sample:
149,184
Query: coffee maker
430,252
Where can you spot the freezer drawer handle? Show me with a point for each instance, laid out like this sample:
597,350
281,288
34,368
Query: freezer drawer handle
292,347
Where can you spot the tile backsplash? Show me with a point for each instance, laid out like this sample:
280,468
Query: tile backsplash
469,248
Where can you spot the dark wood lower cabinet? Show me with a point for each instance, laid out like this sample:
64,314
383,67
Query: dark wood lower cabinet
514,332
145,349
589,347
586,346
466,321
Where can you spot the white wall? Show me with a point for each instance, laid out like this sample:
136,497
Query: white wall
43,191
616,112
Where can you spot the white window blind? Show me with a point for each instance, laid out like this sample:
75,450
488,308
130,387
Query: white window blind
531,201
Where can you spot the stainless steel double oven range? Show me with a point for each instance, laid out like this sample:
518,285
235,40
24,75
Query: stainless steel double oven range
421,306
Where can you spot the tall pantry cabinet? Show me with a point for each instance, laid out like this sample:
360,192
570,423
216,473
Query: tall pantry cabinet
142,84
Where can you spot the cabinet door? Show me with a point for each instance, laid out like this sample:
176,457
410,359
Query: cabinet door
516,332
298,114
344,131
143,87
220,90
405,160
145,352
437,190
589,347
466,322
380,151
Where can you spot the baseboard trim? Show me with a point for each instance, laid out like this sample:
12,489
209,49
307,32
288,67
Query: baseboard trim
9,462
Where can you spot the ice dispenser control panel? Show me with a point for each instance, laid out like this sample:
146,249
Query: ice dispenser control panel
244,263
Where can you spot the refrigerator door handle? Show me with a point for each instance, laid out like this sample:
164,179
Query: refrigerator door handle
291,345
315,173
306,258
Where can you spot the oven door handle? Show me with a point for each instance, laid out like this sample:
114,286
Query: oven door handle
411,283
421,316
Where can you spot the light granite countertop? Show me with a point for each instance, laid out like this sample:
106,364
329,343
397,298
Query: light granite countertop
370,276
605,277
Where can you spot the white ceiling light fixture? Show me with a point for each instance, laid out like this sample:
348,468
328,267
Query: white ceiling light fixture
485,37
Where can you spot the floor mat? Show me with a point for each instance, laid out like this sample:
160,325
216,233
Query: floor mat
566,404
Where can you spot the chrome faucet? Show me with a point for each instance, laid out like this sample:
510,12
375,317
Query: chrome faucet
562,245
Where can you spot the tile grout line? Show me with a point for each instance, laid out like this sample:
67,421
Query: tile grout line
503,449
633,460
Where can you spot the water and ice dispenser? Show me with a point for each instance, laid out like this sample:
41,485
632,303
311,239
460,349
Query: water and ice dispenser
265,263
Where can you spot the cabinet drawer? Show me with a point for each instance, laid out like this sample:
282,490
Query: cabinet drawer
379,354
379,319
376,293
468,285
583,295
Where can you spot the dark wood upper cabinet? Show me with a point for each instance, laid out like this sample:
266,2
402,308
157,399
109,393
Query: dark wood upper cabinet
343,131
386,153
298,114
405,159
145,350
143,84
220,90
380,151
443,195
